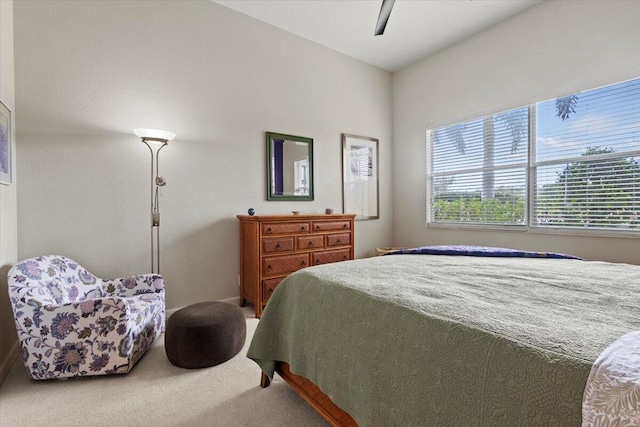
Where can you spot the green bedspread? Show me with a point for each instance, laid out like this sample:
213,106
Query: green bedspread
422,340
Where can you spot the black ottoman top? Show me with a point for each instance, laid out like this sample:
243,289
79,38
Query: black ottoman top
205,314
205,334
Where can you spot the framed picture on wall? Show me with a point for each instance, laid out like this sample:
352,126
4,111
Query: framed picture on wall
360,176
5,145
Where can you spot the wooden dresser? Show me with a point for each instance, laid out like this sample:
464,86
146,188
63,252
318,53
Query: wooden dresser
272,246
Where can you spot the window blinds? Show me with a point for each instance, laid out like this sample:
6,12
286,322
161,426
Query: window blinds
575,158
477,170
587,168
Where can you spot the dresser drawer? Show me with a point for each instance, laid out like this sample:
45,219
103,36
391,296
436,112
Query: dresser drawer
330,225
284,244
309,242
342,239
268,286
285,228
279,265
329,257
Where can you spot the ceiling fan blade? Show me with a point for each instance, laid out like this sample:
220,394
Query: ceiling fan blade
383,17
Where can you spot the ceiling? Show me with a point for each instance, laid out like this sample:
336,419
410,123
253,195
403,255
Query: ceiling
416,28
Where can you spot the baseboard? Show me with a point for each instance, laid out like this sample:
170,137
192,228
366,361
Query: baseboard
234,300
7,363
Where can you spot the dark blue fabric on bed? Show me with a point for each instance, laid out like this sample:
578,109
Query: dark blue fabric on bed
486,251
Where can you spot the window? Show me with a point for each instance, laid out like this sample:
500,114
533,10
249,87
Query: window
586,162
575,158
478,170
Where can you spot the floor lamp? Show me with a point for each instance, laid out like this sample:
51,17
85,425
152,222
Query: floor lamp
155,140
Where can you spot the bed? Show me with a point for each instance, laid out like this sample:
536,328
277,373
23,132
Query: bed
414,339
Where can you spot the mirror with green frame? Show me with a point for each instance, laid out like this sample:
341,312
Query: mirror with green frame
289,167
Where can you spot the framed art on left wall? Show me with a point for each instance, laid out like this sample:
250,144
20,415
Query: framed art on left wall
5,145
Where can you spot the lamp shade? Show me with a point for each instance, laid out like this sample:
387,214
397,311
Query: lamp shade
155,134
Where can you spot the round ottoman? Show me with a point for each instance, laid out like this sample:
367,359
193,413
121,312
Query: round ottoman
204,334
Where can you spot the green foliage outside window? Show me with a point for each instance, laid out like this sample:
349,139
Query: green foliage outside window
468,207
593,193
589,193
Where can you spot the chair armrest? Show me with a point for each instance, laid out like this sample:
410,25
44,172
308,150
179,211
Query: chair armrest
134,285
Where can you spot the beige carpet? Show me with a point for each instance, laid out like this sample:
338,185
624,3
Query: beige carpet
156,393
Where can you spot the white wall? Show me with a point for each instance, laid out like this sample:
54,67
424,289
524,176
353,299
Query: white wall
87,73
552,49
8,220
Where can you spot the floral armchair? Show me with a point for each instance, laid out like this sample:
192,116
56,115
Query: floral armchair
71,323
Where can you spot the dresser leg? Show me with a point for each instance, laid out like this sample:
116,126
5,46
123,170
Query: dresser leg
243,302
264,380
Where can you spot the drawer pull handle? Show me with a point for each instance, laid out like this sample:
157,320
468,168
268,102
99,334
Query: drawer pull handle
317,228
303,263
338,241
269,268
345,226
303,228
278,246
317,262
269,230
310,244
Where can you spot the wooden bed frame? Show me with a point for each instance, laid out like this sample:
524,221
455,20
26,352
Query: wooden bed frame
310,392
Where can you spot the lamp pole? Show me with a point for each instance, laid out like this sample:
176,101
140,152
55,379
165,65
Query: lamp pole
155,140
